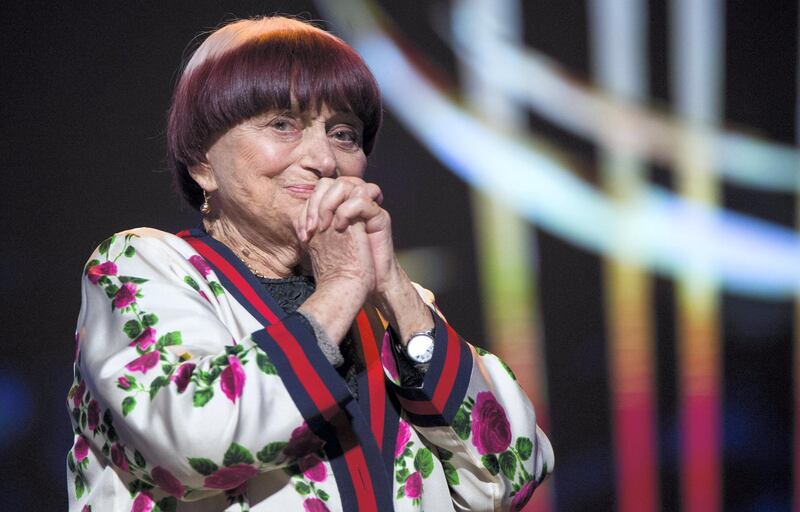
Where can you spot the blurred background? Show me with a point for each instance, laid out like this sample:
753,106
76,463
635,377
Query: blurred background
602,192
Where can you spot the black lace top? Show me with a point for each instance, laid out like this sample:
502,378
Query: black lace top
290,293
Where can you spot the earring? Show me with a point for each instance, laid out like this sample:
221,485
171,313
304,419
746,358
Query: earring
205,208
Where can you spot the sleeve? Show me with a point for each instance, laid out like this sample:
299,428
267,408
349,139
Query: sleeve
171,387
470,407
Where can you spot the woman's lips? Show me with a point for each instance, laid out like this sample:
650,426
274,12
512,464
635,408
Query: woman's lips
302,190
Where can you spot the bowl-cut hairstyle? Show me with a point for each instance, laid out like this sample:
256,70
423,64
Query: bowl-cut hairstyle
249,67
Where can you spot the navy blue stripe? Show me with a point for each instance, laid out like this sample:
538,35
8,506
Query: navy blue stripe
459,391
381,483
244,272
333,449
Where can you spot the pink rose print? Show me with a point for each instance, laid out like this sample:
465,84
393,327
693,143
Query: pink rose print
203,294
81,448
86,508
167,481
93,415
231,476
143,363
387,358
79,391
147,338
143,503
403,435
313,468
118,457
124,383
182,376
302,442
200,264
109,268
523,495
414,485
491,432
232,379
125,295
315,505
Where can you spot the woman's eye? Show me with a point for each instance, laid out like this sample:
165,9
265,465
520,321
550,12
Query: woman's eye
346,136
281,124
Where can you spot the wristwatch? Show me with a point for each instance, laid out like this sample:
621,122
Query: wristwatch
419,348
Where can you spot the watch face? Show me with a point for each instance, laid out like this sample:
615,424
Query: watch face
420,348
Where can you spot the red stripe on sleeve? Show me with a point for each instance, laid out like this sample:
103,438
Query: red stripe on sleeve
375,378
447,378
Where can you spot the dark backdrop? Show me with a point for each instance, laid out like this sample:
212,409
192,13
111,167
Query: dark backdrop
85,90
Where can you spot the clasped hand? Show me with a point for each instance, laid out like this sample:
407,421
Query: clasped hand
347,234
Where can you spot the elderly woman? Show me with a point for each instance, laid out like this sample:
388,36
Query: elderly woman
279,358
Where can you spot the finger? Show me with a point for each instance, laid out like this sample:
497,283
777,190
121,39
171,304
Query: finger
334,196
312,205
353,210
369,190
300,224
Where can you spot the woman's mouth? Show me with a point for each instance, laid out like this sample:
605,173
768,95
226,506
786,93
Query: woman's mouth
301,190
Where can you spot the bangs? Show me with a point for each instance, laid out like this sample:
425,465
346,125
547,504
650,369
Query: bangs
279,70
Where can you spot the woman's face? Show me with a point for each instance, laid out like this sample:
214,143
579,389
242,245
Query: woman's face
261,172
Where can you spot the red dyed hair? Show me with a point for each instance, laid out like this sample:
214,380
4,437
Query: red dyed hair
252,66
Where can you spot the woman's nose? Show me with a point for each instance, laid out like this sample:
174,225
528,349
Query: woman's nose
318,155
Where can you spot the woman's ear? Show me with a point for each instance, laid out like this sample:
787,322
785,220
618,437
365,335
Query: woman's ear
203,174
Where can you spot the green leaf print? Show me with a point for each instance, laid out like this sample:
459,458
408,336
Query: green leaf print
91,264
171,338
202,396
80,487
139,458
461,424
216,288
237,454
130,251
508,464
302,488
71,462
202,465
132,328
191,282
444,454
490,463
508,369
423,462
168,504
402,474
106,244
271,451
480,351
127,405
450,473
401,491
150,319
322,495
265,365
158,383
111,290
234,350
524,447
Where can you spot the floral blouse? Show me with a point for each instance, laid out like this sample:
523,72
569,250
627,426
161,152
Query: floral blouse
194,391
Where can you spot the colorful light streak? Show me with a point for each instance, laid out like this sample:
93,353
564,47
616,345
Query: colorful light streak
618,39
534,80
640,226
507,259
697,48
